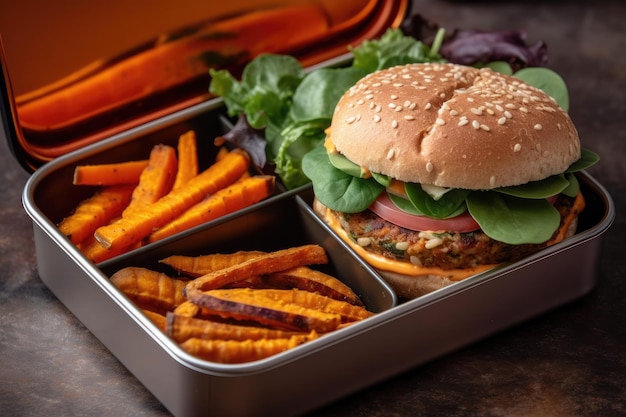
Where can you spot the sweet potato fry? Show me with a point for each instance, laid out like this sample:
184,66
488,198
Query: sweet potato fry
98,210
254,305
187,159
290,309
181,328
307,299
235,351
96,253
157,318
239,195
195,266
262,264
309,279
140,224
156,179
109,174
187,309
221,152
150,290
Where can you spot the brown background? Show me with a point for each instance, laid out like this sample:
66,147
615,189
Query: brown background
568,362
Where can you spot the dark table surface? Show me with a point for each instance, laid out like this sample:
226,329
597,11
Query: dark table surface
570,361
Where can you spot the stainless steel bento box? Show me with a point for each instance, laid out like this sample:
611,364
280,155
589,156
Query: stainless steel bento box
403,334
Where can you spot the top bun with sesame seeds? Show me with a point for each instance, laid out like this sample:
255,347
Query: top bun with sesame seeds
436,172
453,126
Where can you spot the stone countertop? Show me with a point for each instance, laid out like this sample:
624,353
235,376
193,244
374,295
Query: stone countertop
567,362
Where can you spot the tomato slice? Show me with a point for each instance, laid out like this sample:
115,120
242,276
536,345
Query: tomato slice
384,207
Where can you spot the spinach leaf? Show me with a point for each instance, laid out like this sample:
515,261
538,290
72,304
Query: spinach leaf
500,66
344,164
511,219
404,204
573,187
537,189
382,179
450,204
336,189
320,90
587,159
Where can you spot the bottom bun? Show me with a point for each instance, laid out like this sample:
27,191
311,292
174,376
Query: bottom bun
408,286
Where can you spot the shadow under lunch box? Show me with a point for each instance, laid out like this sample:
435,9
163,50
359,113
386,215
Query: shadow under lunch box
400,335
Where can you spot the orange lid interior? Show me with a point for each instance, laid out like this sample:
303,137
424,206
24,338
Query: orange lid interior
75,73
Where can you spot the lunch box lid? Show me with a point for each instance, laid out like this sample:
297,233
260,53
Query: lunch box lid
75,73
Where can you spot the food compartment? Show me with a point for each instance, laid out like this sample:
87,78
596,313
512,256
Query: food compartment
287,383
54,197
597,216
269,226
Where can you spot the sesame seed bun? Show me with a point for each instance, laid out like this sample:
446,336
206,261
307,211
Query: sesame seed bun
453,126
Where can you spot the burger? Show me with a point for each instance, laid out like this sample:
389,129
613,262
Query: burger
435,172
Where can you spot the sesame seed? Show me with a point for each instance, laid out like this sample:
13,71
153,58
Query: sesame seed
428,106
524,109
463,122
394,97
402,245
429,166
364,241
369,96
394,124
392,105
409,117
538,127
407,103
433,243
360,101
475,124
390,154
454,113
508,115
351,119
502,120
440,122
376,118
492,181
485,128
517,147
398,108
